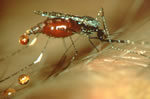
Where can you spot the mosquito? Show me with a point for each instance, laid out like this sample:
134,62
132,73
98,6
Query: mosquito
61,25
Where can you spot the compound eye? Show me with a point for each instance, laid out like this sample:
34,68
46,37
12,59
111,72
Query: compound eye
24,39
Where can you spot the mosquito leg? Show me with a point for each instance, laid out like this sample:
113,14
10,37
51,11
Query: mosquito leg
19,50
64,43
76,52
93,45
100,36
59,68
106,31
28,66
130,51
16,52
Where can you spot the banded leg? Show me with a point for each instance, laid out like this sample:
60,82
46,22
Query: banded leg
106,31
100,36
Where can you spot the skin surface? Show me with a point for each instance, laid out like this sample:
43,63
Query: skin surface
109,74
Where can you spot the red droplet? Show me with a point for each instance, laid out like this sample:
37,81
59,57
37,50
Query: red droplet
23,79
24,39
9,92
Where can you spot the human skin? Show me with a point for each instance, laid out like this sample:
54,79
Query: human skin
109,74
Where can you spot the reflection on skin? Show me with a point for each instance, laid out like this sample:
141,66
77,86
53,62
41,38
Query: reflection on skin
110,74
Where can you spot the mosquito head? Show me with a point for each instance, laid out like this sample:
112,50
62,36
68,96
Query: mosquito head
42,13
38,12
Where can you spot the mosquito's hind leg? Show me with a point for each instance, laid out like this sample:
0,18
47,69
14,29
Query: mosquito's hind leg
28,66
19,50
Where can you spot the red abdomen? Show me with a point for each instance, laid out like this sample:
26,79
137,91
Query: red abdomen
60,27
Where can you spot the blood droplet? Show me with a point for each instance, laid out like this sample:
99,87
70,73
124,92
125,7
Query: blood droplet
23,79
24,39
9,92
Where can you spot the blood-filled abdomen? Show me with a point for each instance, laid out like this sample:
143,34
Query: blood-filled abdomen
60,27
